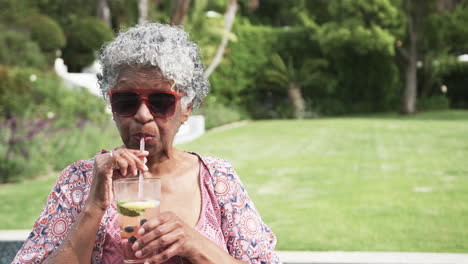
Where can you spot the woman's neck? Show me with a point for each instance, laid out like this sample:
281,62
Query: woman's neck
163,163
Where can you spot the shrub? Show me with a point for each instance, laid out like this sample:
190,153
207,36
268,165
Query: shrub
217,114
239,80
437,102
84,38
10,169
66,11
329,106
46,32
367,86
12,11
36,108
15,92
16,138
26,91
455,77
31,147
240,68
17,49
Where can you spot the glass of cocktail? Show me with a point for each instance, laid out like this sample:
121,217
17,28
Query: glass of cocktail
136,204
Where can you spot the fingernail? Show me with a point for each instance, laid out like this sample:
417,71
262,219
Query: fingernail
141,231
135,246
135,172
146,168
145,152
138,254
145,160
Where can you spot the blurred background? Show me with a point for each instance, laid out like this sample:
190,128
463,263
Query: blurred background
357,124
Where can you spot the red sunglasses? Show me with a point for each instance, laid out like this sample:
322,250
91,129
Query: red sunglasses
162,104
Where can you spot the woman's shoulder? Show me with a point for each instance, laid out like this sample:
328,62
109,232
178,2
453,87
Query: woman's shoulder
79,172
215,163
225,180
83,166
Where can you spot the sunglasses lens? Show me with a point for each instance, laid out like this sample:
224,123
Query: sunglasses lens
162,104
125,103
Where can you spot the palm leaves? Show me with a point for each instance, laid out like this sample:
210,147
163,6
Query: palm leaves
290,77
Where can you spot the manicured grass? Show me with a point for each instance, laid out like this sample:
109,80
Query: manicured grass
372,183
377,183
22,203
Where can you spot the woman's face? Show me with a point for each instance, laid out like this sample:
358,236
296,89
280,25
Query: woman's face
158,132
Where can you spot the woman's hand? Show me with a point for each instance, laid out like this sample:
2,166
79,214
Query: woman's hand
168,235
121,163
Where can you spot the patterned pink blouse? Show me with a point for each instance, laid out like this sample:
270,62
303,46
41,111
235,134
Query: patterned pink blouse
228,217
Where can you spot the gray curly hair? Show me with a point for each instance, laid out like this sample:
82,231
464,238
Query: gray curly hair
165,47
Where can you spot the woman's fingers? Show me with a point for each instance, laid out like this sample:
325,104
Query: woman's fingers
129,161
153,229
140,159
139,153
122,164
161,242
166,254
164,237
162,218
113,165
158,237
131,166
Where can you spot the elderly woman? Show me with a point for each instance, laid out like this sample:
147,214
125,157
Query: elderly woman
154,79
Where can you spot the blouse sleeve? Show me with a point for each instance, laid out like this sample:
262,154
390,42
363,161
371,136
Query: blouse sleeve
248,238
62,207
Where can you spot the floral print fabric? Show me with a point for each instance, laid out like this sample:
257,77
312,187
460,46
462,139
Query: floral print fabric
245,235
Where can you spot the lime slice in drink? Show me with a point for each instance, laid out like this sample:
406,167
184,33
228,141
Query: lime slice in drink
134,208
139,205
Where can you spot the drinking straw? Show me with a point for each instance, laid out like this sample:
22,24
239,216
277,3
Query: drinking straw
140,174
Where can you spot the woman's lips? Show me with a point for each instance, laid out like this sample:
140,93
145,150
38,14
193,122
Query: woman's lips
146,137
149,138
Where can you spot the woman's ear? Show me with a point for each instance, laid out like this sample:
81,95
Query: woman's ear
186,113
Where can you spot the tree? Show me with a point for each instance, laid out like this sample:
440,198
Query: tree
294,77
430,27
287,76
142,11
228,21
104,13
357,38
415,13
179,11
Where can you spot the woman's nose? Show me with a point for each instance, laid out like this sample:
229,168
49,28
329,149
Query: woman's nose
144,114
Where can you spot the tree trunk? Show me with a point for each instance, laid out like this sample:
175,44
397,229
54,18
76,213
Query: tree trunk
296,99
410,92
179,11
103,12
415,9
142,11
229,17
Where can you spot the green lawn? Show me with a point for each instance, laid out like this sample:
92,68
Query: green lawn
372,183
